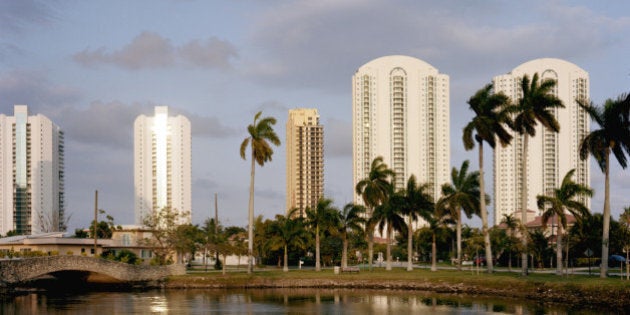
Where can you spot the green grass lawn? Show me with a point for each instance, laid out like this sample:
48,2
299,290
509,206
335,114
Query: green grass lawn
496,280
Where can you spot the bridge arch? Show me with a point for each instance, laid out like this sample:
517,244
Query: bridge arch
21,270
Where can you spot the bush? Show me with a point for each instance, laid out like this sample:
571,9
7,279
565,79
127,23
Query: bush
127,257
124,256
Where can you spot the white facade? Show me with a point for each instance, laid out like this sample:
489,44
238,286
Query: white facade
551,155
31,174
305,159
162,164
400,111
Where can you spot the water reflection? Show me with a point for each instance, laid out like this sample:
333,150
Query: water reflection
270,301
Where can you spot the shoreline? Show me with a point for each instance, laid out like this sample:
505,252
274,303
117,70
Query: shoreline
558,292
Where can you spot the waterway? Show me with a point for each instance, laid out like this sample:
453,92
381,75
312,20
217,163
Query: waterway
271,301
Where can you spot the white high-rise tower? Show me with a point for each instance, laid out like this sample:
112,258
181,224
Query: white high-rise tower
31,174
400,111
551,155
162,164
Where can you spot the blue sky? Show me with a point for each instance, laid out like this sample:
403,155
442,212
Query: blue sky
93,66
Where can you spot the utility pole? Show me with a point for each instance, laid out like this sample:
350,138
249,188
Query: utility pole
95,219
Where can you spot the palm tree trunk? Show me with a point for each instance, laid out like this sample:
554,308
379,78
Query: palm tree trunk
606,229
286,259
458,232
410,245
484,212
250,229
566,258
388,265
370,235
317,264
344,252
559,250
433,254
524,204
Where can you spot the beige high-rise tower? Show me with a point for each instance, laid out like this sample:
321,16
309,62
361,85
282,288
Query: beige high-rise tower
305,159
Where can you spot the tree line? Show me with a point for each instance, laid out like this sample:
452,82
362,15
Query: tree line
498,119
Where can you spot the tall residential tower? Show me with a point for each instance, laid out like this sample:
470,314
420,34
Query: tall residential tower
551,155
305,159
31,174
400,111
162,164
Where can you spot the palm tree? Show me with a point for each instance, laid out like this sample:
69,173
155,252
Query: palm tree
350,220
388,214
511,224
613,136
491,116
323,217
561,201
375,190
260,134
537,105
287,232
436,221
462,194
416,201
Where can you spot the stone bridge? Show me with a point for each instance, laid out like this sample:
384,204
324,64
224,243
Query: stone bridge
20,270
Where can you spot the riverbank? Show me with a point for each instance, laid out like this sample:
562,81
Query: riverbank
586,291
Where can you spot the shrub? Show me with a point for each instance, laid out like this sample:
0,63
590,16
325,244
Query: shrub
127,257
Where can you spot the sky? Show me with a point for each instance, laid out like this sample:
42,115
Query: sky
93,66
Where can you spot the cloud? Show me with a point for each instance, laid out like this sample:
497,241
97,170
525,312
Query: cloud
211,53
321,44
18,15
147,50
204,126
7,49
33,88
150,50
273,106
99,124
111,124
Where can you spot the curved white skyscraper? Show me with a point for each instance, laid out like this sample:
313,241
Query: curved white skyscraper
400,111
551,155
162,164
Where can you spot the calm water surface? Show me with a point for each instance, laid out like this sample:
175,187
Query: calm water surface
287,301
